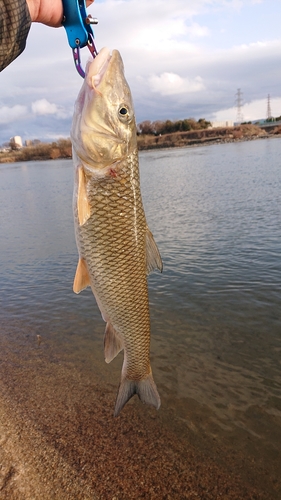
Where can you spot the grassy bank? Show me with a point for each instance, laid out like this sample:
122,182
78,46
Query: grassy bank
190,138
43,151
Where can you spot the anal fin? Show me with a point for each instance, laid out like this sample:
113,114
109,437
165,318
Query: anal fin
113,343
82,278
153,257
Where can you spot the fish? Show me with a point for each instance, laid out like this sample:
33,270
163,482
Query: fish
116,248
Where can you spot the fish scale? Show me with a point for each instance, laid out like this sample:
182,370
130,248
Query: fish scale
117,264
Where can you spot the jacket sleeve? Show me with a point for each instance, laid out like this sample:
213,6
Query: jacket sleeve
15,23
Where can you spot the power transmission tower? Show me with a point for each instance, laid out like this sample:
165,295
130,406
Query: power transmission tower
268,113
239,104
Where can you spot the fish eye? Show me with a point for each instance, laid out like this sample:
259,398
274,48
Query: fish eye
124,113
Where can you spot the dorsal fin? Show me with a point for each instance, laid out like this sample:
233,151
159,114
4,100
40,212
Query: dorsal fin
82,278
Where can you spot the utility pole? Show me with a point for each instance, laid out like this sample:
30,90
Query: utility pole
239,104
268,112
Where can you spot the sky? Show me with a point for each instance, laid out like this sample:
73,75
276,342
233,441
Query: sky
182,58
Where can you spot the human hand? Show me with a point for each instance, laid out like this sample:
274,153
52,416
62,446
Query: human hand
49,12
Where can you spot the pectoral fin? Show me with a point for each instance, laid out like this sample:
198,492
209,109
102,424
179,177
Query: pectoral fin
153,257
83,205
82,278
113,343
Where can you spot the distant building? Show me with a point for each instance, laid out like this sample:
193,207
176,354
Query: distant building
16,142
32,142
228,123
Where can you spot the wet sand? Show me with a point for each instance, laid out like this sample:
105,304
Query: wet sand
59,440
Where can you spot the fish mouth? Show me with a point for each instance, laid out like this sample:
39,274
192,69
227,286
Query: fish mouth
99,66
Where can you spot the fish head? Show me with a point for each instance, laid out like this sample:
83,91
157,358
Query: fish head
104,129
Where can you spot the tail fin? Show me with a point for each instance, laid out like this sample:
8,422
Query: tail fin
145,389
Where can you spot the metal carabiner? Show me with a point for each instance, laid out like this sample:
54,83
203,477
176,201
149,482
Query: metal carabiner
77,24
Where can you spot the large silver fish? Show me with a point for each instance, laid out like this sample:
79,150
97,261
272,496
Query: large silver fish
116,248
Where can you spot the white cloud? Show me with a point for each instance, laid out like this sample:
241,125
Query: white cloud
12,114
171,84
197,31
43,107
154,26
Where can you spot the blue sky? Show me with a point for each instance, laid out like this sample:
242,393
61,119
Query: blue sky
182,59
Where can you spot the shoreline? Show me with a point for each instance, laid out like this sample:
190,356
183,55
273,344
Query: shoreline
204,137
210,142
43,152
60,441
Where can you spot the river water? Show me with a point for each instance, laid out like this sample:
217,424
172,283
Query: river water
215,213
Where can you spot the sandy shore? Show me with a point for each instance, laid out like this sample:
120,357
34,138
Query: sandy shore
59,440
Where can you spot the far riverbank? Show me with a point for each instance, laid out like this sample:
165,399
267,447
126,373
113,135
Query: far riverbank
62,148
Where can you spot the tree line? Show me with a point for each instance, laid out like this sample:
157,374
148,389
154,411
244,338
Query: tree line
168,126
272,119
